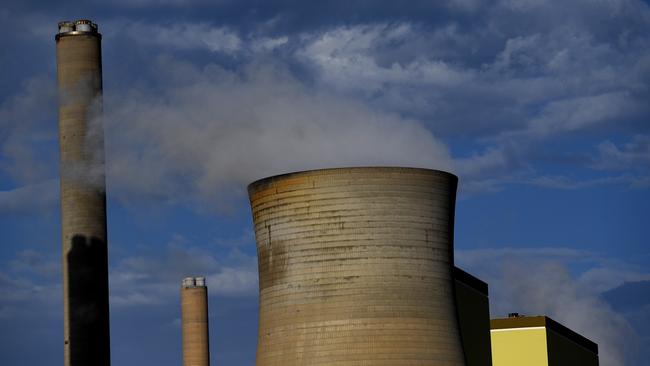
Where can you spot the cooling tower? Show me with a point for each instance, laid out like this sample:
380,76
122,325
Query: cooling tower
355,268
83,197
194,318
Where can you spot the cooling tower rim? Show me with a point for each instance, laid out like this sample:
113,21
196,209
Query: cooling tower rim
256,185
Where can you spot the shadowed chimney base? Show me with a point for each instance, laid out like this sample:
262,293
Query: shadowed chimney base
83,198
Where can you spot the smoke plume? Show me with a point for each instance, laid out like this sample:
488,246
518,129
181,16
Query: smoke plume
538,282
209,132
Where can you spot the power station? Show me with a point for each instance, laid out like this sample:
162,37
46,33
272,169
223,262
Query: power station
356,265
83,195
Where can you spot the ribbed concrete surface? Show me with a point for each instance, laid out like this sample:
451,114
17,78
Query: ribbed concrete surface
83,202
194,318
355,268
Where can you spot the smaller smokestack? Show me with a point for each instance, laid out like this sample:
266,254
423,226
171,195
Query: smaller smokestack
194,317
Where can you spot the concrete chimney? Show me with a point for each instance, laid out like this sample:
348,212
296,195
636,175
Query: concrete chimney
194,317
83,197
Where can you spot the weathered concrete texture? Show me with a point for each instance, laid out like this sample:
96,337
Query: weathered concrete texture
83,201
194,317
355,268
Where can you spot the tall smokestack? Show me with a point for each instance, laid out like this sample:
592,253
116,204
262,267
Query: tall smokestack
194,317
83,195
356,268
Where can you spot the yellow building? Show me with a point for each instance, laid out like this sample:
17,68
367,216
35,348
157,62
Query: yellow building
539,341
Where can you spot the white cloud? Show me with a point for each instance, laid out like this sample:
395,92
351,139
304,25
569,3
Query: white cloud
601,279
35,263
476,257
578,114
232,281
186,36
164,3
465,5
531,87
499,161
634,155
180,36
569,183
27,122
21,296
346,59
155,279
30,198
265,44
516,89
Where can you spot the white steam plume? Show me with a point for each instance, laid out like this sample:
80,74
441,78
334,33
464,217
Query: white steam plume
211,130
537,282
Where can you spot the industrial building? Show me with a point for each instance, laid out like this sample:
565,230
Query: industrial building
83,195
539,341
474,317
194,321
356,265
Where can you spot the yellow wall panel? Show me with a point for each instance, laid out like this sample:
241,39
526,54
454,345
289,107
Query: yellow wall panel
519,346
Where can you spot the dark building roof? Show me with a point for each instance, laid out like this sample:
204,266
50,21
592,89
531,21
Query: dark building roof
471,281
543,321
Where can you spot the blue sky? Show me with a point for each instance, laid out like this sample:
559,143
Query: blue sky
540,107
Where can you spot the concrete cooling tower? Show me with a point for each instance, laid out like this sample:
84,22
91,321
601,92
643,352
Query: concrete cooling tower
83,197
355,268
